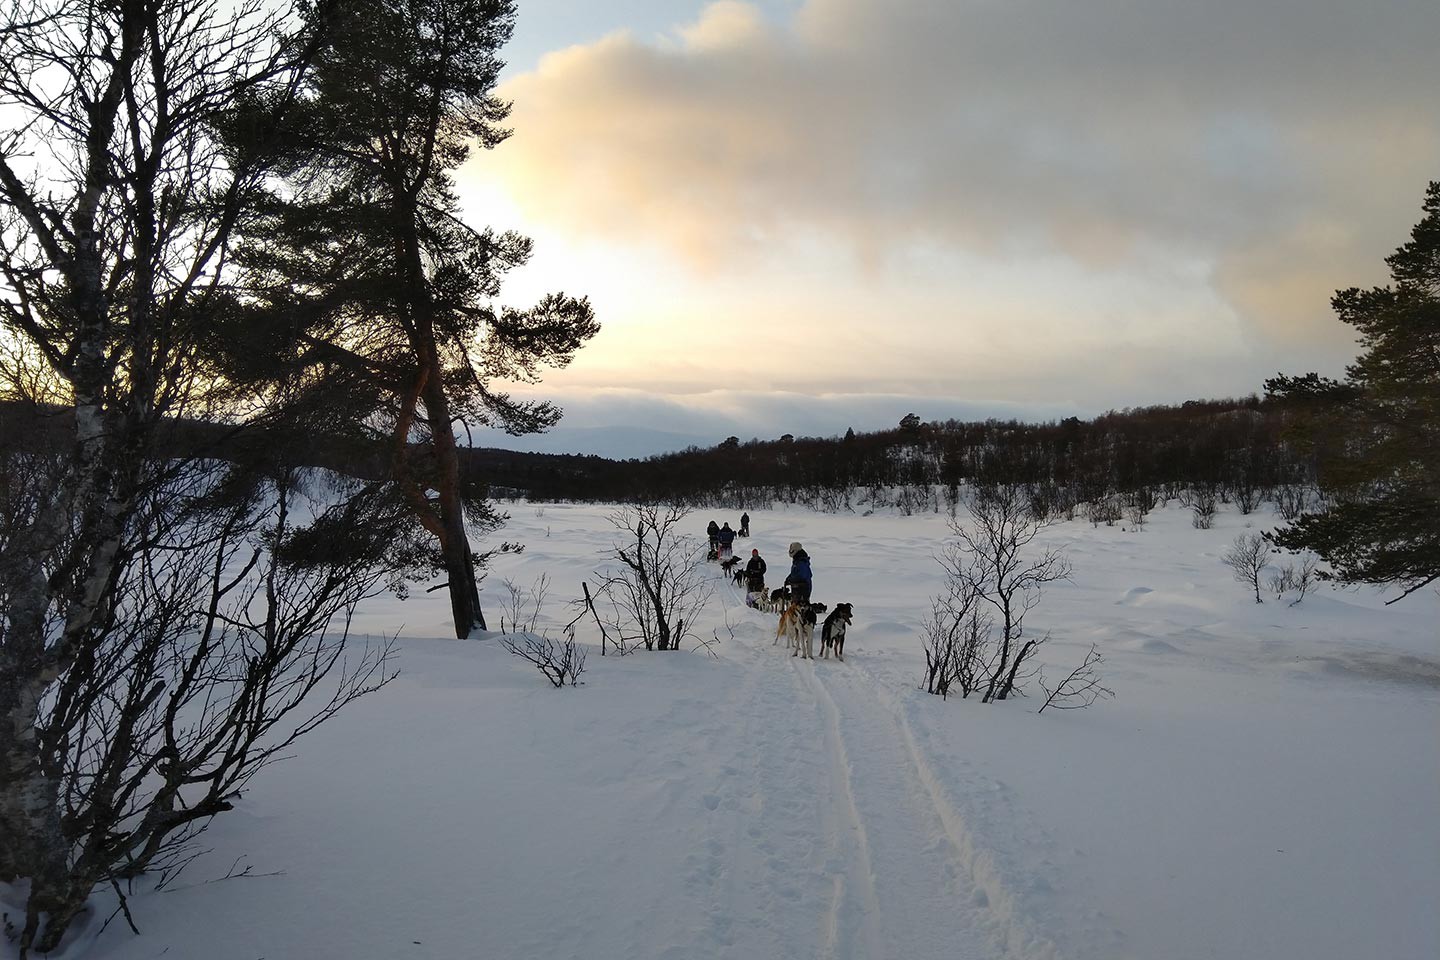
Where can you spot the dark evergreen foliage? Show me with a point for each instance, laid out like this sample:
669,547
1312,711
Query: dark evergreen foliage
372,297
1376,436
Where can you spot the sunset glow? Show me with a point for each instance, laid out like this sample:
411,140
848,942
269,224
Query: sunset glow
1016,206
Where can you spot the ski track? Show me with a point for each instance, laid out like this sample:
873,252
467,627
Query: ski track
839,840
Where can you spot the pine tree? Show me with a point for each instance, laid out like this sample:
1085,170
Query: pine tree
1376,436
377,295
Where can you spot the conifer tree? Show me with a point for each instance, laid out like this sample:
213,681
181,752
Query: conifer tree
376,295
1376,435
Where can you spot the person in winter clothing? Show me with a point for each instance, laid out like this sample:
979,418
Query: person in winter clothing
744,524
713,531
725,539
755,573
799,581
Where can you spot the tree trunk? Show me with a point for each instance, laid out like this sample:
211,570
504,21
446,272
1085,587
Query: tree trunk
1014,669
1006,636
455,543
454,539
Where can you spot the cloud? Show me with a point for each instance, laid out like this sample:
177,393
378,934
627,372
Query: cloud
1273,150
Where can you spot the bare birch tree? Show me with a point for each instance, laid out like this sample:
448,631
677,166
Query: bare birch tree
993,556
1247,559
660,588
162,631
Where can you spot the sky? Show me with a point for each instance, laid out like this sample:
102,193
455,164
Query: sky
799,216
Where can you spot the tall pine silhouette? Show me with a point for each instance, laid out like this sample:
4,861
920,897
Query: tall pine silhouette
377,297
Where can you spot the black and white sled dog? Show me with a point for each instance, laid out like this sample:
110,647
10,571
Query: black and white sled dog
728,564
832,634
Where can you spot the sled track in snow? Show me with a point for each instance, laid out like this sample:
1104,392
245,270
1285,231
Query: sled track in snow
848,837
907,877
989,893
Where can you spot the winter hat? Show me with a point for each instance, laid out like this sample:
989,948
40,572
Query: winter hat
754,553
794,549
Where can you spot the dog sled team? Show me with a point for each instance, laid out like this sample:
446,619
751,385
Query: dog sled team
722,540
798,615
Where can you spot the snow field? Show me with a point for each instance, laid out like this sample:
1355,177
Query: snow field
1263,786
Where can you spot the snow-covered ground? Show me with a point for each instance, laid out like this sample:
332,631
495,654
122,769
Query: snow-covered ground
1264,785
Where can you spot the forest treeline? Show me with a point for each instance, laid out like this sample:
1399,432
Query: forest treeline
1237,448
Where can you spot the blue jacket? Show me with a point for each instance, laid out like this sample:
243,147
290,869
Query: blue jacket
726,536
799,568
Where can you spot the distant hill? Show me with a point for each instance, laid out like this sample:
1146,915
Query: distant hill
613,443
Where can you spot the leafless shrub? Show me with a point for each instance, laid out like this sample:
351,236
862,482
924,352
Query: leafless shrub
1295,579
1202,503
1080,688
1138,505
587,605
991,557
1147,498
1105,510
1246,494
951,494
1292,500
1047,501
958,651
226,639
709,645
661,586
833,500
1247,559
523,605
561,663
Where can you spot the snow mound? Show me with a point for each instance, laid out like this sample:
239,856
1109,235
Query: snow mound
1135,596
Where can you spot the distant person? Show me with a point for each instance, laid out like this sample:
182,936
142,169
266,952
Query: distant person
713,531
725,540
799,581
755,573
744,524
